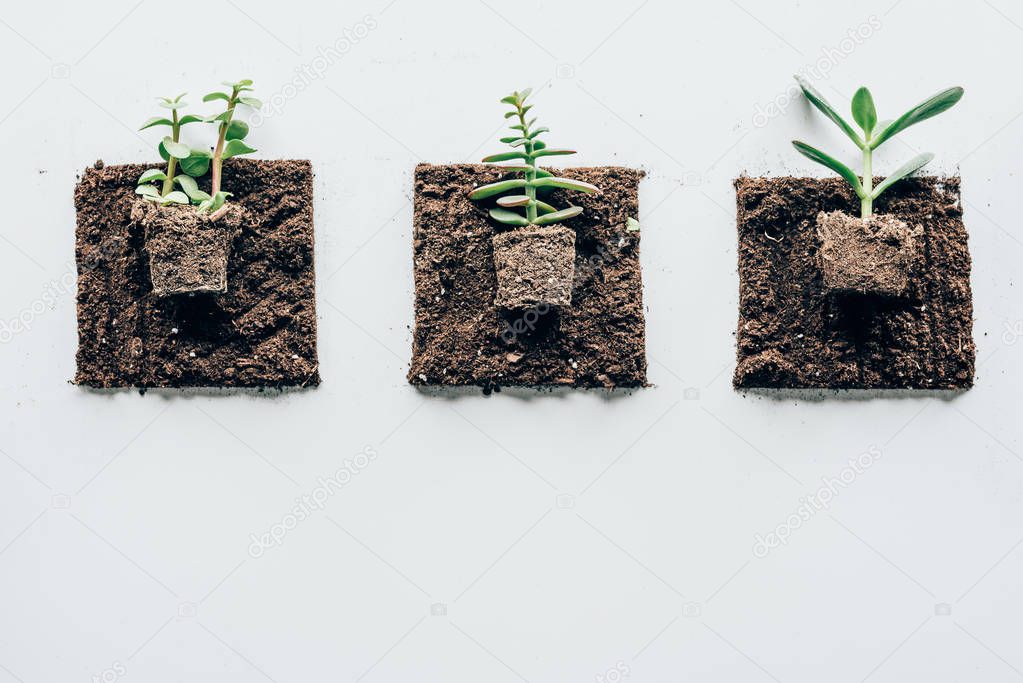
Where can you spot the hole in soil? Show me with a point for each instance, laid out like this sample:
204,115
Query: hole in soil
531,327
200,316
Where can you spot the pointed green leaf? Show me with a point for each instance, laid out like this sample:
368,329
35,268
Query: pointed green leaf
178,150
148,191
216,96
156,121
189,118
863,111
943,101
832,163
235,147
817,100
513,138
552,152
558,216
566,184
237,130
508,217
510,114
490,190
197,163
175,198
505,156
539,131
510,99
512,201
544,207
152,175
911,167
251,102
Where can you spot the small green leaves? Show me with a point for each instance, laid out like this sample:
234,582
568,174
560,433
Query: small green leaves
175,198
148,191
197,163
863,111
832,163
234,148
496,188
558,216
907,169
191,188
214,203
508,217
152,175
817,100
176,149
941,102
156,121
237,130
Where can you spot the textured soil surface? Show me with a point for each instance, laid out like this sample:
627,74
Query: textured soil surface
792,334
461,338
260,333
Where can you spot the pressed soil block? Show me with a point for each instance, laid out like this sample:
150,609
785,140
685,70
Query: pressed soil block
463,338
187,251
795,333
535,267
877,256
260,332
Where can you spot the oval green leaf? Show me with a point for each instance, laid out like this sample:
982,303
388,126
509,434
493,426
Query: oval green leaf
834,164
941,102
176,198
566,184
863,111
156,121
505,156
237,130
178,150
817,100
558,216
492,189
197,163
235,147
251,102
552,152
513,200
216,96
148,191
152,175
508,217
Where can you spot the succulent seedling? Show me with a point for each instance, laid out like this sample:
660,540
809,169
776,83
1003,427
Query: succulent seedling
172,150
230,140
875,134
527,148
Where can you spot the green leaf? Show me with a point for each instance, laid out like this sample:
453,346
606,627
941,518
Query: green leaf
237,130
190,118
178,98
505,156
943,101
197,163
513,200
817,100
552,152
863,111
558,216
508,217
544,207
524,94
490,190
163,152
519,142
631,224
173,105
539,144
216,96
510,114
156,121
178,150
911,167
566,184
251,102
539,131
190,187
238,84
175,198
510,99
223,116
148,191
219,200
235,147
834,164
151,175
512,138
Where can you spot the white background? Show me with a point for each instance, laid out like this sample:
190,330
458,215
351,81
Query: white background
125,520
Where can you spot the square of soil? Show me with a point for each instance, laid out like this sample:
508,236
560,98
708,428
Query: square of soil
793,334
260,333
462,338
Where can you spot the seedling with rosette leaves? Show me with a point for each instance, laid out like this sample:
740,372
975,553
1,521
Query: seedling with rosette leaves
231,136
172,150
527,148
874,134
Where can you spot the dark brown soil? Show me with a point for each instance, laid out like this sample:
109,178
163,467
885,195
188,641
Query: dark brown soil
793,334
534,266
461,338
260,333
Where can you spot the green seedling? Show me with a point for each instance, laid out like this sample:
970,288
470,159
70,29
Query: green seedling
172,150
230,142
875,134
527,149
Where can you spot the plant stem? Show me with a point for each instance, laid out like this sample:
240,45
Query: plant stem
867,201
172,162
221,139
531,212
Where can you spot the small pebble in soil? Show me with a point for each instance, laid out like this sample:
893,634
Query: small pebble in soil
174,330
191,354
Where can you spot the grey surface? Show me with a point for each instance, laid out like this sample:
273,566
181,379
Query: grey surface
564,536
